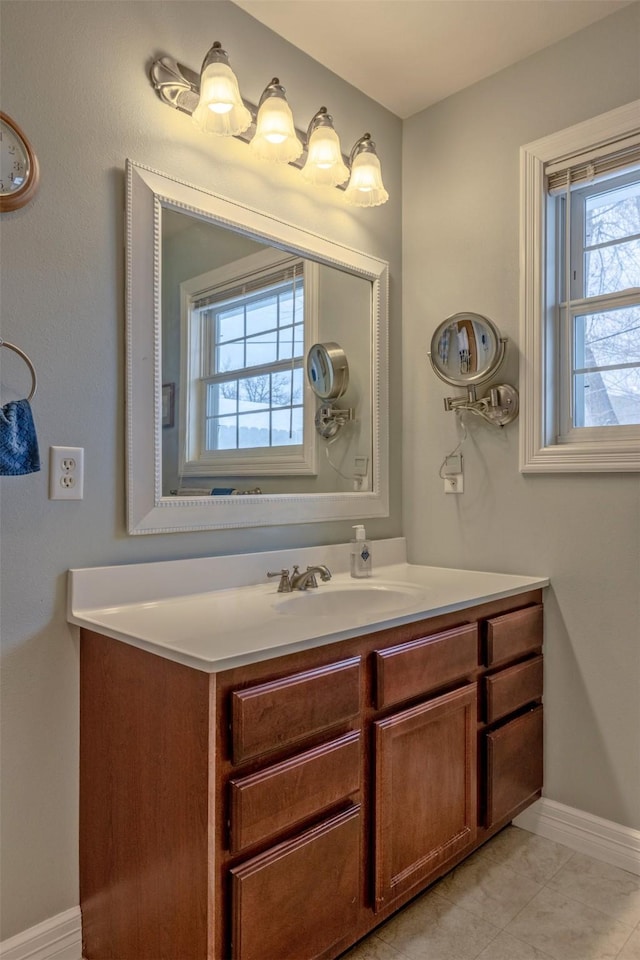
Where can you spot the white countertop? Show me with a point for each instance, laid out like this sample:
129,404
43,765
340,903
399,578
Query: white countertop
201,613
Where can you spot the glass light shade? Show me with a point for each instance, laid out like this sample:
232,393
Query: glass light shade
365,188
275,137
220,109
324,164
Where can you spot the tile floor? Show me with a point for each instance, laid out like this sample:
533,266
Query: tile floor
520,897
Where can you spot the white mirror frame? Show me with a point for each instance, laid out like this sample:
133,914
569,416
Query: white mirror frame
147,510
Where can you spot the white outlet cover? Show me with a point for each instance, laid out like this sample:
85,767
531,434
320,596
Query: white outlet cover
66,473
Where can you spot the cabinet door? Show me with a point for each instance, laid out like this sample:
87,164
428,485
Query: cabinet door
425,771
298,899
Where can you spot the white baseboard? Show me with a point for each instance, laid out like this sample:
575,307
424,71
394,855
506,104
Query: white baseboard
58,938
598,838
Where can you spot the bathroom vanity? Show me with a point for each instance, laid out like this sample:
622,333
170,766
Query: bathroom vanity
280,802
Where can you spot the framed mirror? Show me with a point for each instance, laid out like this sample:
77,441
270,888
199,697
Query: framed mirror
224,303
466,349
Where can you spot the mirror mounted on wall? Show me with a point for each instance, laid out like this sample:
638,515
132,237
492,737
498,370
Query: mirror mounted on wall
467,351
223,302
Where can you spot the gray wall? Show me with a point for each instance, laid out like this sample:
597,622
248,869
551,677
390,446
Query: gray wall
460,231
74,76
89,107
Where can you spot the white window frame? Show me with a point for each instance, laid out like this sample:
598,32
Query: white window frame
195,460
608,449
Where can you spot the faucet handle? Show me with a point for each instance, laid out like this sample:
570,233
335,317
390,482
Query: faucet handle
311,580
285,583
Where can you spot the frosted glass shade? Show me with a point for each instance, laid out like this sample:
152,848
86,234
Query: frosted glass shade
220,109
324,165
365,188
275,137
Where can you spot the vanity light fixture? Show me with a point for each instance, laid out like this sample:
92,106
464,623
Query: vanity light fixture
213,99
275,138
365,187
220,109
324,164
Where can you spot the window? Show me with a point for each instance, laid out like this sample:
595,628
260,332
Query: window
602,234
580,256
246,328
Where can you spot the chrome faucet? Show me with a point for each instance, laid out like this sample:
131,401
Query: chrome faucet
300,581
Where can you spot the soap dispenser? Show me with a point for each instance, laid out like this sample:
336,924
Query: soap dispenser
361,563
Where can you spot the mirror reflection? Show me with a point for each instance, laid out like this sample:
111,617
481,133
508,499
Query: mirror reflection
239,318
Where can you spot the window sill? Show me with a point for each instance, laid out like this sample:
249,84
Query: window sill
588,457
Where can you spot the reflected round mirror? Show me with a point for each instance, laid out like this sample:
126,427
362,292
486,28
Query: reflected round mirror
327,370
466,349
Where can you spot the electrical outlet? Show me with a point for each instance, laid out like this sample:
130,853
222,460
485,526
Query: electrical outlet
454,483
66,473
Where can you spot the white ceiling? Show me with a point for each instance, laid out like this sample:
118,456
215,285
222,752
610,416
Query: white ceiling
408,54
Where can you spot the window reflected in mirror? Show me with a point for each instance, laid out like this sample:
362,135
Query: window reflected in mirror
238,319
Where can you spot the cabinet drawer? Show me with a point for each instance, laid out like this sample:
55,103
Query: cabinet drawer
411,669
514,765
282,712
269,802
274,917
513,634
511,688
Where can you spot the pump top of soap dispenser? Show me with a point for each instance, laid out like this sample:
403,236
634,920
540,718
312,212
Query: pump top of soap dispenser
360,533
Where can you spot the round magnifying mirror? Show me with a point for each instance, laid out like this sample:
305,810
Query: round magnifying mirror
466,349
327,370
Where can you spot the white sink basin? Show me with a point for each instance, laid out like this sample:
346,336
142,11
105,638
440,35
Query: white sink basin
335,600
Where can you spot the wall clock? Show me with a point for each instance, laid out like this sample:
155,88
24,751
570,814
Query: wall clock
19,172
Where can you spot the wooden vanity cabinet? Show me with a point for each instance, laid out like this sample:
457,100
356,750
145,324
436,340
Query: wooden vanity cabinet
282,809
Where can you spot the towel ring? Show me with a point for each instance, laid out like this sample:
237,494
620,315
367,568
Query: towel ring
21,353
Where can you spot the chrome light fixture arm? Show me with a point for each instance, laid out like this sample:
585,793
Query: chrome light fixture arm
175,84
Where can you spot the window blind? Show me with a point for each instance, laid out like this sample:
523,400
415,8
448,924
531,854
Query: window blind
604,161
242,287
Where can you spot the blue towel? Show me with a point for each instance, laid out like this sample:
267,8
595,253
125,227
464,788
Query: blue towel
18,441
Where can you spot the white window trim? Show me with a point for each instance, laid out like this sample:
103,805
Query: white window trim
282,461
539,451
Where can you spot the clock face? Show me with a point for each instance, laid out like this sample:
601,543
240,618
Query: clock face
18,166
